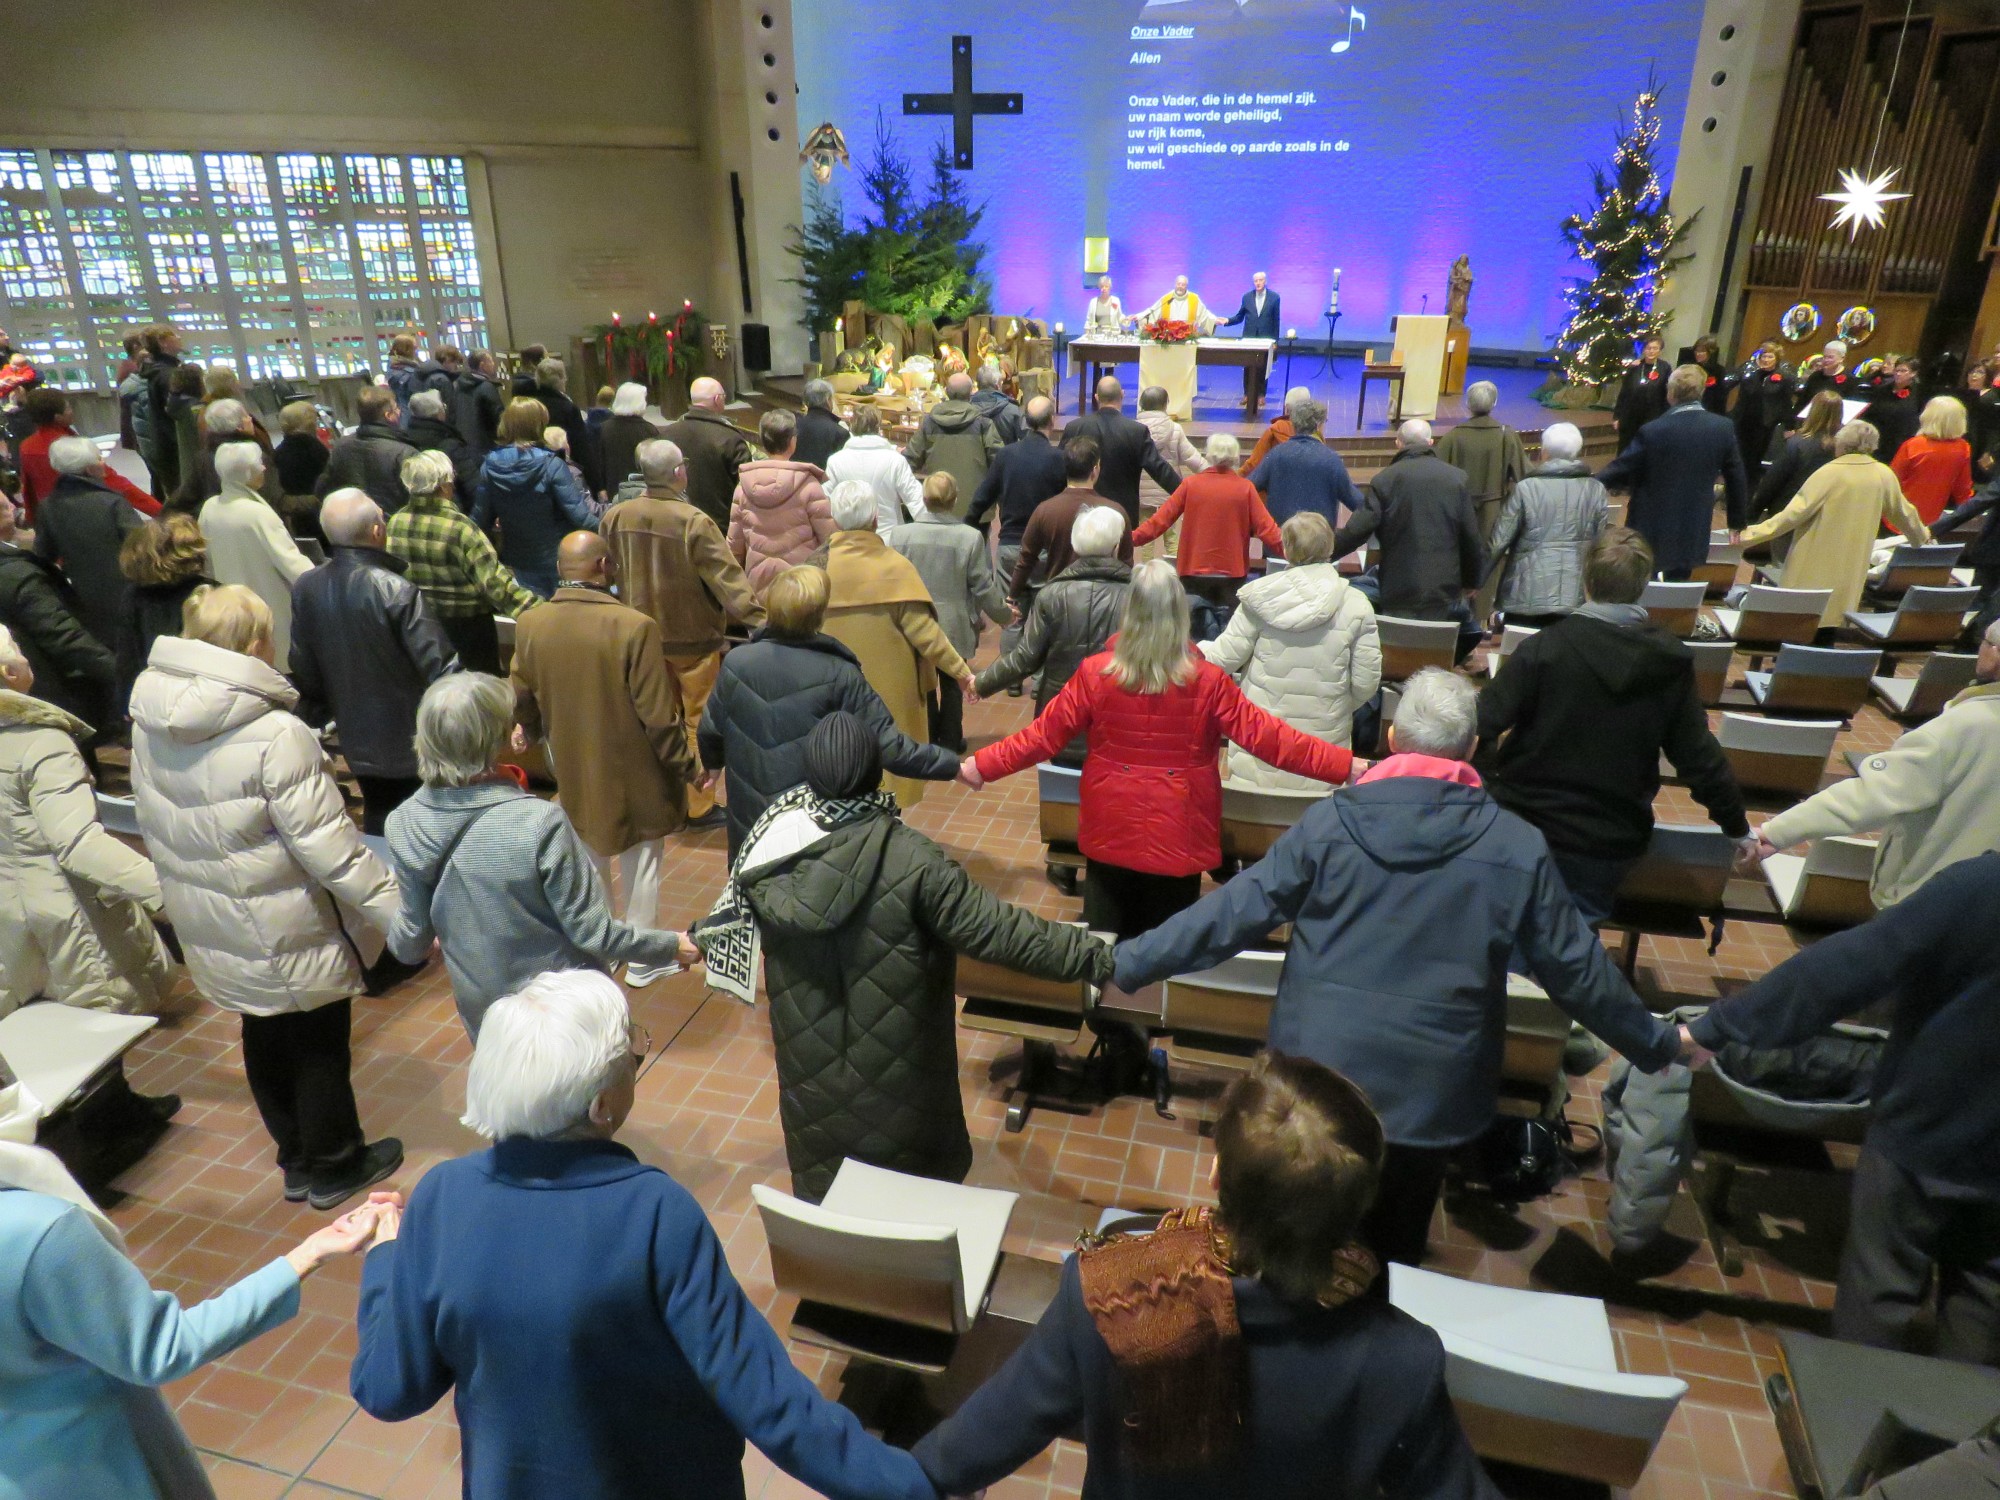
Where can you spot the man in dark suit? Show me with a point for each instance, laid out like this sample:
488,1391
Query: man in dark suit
1420,511
1259,317
1124,448
1670,472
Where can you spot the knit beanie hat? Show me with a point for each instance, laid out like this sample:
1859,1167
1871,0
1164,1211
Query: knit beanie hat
843,758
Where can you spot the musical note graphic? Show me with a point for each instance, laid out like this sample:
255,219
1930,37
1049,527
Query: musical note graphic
1356,17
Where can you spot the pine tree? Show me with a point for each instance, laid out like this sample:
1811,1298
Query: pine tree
1628,241
914,258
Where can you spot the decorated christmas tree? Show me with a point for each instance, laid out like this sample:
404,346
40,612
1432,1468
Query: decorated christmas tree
1628,243
915,255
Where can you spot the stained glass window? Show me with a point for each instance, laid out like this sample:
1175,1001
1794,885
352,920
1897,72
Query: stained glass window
295,263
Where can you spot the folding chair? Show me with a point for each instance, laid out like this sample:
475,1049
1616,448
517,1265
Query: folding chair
1924,616
1535,1380
888,1268
1944,675
1769,617
1778,755
1827,886
1408,646
1255,818
1814,679
1717,576
1511,637
1677,884
1673,607
1917,567
1060,789
1220,1017
1042,1014
1711,668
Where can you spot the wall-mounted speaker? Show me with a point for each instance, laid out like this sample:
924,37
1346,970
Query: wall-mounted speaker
755,342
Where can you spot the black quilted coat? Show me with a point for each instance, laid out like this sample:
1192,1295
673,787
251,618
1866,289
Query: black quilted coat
859,934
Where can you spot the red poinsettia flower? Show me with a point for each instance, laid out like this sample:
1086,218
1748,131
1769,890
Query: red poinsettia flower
1168,331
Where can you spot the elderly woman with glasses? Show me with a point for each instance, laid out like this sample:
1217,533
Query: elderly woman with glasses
497,876
577,1302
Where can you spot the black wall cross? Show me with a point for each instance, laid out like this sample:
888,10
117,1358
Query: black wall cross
961,103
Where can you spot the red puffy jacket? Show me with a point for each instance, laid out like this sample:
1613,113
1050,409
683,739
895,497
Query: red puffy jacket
1152,794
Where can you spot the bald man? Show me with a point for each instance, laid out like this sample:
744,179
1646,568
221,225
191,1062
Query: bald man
365,645
591,678
715,450
958,439
1125,450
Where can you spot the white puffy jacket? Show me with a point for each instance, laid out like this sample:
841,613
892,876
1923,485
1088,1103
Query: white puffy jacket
1303,645
277,902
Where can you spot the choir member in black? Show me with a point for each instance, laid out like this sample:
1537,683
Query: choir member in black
1766,400
1982,416
1897,408
1830,373
1643,396
1708,354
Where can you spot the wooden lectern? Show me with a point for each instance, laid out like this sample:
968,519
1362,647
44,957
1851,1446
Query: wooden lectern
1458,349
1421,337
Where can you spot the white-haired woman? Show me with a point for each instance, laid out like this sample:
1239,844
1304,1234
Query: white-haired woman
227,419
497,877
1219,511
1304,646
577,1302
85,1342
1834,520
1155,713
877,607
1546,529
821,434
621,433
248,543
1935,467
80,903
278,904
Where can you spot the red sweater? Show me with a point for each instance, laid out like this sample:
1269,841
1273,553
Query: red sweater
1217,510
38,477
1151,795
1934,474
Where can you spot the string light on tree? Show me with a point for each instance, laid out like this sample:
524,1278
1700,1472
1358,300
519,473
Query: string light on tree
1627,241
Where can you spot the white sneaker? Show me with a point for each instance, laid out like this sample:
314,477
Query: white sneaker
637,976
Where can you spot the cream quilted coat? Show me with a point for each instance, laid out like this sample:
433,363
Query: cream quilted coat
1303,645
74,902
277,902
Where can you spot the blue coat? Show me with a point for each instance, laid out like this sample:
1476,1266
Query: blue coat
579,1306
1302,473
534,500
79,1327
1670,470
1256,325
1344,1403
1406,895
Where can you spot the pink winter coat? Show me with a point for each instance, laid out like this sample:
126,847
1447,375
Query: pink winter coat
778,517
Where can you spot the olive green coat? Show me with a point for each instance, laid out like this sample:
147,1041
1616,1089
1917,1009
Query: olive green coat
860,935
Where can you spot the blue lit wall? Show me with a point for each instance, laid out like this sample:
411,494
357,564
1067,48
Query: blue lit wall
1444,128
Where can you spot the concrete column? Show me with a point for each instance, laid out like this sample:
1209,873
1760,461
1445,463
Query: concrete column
750,128
1733,96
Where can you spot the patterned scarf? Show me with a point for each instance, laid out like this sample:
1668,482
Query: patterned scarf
1165,1307
732,949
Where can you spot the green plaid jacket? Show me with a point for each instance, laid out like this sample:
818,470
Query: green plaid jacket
454,564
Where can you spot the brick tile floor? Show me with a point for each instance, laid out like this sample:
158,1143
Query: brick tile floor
275,1419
